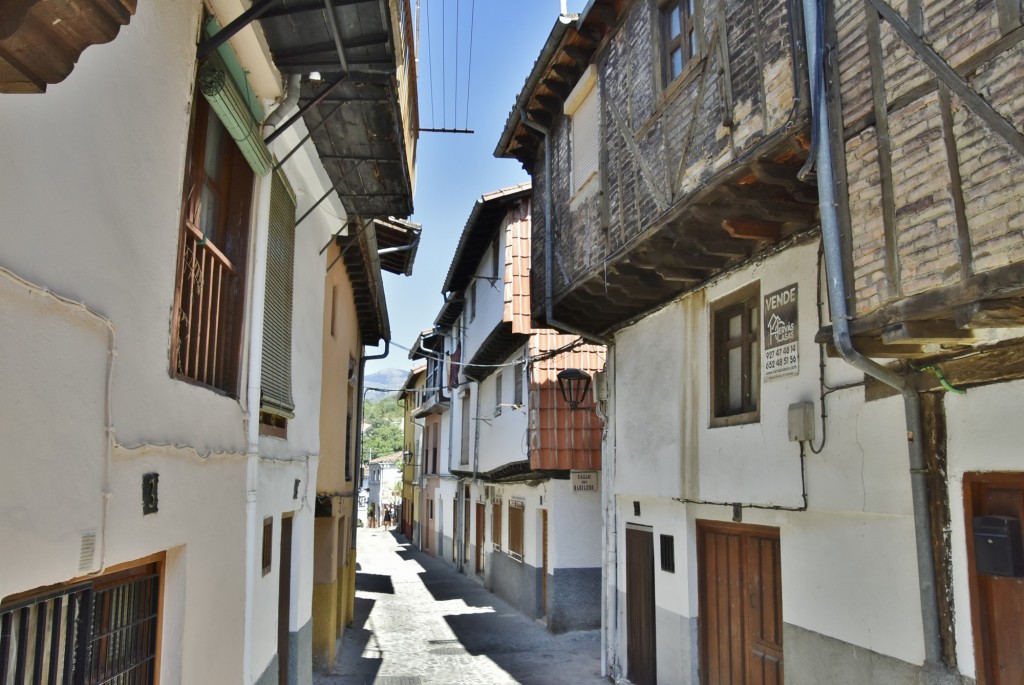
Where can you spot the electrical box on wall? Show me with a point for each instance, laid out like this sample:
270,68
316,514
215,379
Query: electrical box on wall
801,421
997,546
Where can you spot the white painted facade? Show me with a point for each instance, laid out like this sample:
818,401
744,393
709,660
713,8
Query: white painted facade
91,195
984,434
669,462
382,477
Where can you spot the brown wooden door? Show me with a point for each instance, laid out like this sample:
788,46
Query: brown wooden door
997,602
740,594
479,537
641,643
544,562
284,600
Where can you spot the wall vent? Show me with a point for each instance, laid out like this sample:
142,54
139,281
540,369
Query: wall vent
87,550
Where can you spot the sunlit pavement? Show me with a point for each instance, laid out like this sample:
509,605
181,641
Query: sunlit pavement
418,622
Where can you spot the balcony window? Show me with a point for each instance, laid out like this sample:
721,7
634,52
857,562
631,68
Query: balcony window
679,36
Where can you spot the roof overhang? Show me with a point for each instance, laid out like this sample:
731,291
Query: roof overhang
41,40
481,227
398,241
450,310
495,349
513,472
359,254
429,344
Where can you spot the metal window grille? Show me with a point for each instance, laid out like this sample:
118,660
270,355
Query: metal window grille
97,633
668,553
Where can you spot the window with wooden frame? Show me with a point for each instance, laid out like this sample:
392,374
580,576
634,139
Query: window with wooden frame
268,544
735,368
209,298
679,36
496,523
584,111
516,511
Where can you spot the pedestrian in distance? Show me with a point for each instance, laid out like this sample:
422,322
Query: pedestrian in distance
387,516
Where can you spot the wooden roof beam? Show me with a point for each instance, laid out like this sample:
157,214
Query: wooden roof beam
926,332
1008,313
752,230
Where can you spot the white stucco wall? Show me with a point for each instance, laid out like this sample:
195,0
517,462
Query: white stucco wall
858,486
503,434
90,196
984,433
490,302
575,524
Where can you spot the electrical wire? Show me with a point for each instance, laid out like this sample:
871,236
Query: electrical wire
544,356
455,99
469,68
444,70
430,67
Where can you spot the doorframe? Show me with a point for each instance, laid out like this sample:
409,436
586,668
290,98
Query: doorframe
971,480
631,667
284,599
702,527
544,562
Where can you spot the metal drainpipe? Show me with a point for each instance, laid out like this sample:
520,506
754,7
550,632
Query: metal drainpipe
835,279
291,98
611,553
549,259
610,596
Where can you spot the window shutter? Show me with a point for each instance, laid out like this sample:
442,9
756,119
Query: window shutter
231,108
585,139
276,378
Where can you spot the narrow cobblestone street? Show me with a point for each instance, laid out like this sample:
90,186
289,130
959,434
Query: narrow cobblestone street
418,622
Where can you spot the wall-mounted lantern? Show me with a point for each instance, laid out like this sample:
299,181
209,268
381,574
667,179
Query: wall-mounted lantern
574,385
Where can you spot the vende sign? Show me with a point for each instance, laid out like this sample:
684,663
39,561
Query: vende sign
583,481
781,335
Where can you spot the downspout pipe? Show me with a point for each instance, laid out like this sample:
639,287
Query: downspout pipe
291,99
835,278
609,599
359,432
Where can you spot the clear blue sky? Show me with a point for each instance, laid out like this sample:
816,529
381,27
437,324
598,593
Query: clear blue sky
454,170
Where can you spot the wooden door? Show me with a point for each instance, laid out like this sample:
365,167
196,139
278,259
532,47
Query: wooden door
284,600
997,602
740,594
479,537
544,562
641,642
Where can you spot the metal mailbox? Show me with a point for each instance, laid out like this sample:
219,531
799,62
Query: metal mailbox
997,546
